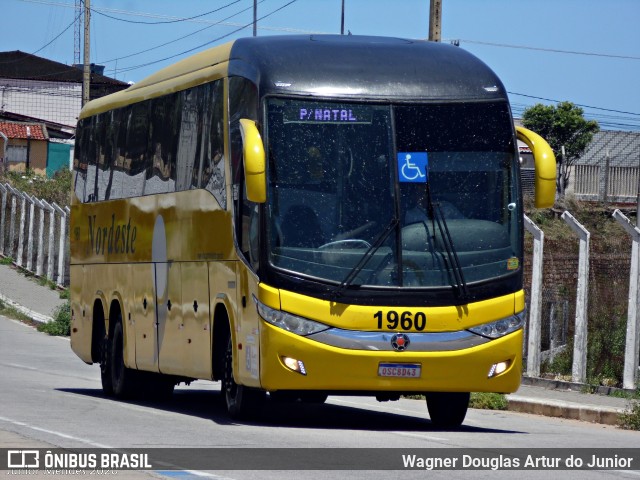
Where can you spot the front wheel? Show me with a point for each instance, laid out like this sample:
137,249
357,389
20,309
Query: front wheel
447,409
241,401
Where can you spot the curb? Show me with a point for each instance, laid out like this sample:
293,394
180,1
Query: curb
570,411
35,316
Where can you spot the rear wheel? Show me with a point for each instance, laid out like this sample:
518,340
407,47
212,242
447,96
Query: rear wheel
105,366
241,401
123,379
447,409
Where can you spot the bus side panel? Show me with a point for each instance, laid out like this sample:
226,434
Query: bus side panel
81,324
170,322
248,328
107,282
196,334
224,289
142,306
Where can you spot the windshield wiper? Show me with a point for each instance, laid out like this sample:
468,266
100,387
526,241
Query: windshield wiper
353,273
435,212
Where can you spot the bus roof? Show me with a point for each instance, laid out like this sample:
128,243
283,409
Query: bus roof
337,66
353,66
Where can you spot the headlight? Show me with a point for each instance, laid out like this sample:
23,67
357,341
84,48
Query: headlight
286,321
500,328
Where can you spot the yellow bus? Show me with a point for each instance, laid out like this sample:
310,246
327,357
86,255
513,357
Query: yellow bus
304,216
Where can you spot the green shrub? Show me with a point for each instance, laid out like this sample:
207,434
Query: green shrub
56,189
61,324
488,401
630,420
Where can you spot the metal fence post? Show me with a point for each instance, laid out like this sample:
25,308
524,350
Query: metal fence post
52,241
535,309
40,252
30,240
52,220
579,368
633,325
3,217
62,236
12,227
23,219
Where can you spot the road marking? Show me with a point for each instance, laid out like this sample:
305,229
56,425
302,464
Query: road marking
53,432
39,370
169,473
186,474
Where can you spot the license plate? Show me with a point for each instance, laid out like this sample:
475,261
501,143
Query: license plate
399,370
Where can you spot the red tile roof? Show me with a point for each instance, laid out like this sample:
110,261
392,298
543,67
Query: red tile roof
19,130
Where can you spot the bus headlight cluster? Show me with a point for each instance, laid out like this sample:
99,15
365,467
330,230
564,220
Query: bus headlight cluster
501,327
291,323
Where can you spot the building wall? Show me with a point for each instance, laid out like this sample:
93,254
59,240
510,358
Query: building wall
37,156
57,102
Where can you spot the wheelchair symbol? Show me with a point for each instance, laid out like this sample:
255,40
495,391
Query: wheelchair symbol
412,166
409,165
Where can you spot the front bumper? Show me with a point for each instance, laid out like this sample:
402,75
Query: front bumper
350,368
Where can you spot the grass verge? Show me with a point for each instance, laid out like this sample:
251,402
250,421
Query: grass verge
630,420
488,401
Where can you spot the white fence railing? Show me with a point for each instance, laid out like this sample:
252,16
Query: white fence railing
34,233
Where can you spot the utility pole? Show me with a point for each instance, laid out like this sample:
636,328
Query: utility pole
255,18
76,32
435,21
342,20
86,75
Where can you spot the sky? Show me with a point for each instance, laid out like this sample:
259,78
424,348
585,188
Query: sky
545,51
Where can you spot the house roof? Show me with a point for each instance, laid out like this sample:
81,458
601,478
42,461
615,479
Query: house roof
21,65
54,130
622,148
17,130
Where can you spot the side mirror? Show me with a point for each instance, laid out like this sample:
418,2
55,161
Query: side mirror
255,172
545,164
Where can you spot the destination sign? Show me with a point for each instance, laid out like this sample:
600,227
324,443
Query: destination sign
327,114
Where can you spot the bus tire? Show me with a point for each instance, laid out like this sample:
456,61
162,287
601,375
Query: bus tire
105,366
122,378
242,402
447,409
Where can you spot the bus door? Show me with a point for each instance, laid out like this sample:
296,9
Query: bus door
169,308
196,320
184,329
143,277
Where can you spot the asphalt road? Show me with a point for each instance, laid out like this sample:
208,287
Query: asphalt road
49,397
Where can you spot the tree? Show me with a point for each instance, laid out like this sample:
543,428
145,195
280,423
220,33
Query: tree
562,125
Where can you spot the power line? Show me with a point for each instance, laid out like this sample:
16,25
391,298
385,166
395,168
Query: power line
553,50
164,21
135,67
578,104
177,39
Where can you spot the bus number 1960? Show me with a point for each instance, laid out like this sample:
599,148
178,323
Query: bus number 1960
401,320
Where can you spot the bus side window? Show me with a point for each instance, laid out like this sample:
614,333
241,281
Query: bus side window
159,155
137,140
80,162
212,165
243,103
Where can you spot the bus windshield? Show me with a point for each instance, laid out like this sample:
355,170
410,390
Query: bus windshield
392,195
